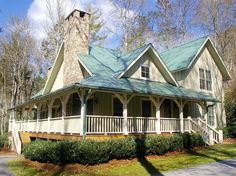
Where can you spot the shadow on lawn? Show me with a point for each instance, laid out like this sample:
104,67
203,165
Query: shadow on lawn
141,150
216,159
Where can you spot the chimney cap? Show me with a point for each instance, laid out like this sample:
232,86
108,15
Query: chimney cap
78,11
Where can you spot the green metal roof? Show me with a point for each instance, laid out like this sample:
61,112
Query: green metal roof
106,64
103,61
180,57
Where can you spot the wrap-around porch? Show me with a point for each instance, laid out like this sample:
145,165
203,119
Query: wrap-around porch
86,112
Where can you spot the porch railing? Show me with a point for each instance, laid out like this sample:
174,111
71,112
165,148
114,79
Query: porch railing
104,124
141,124
170,125
115,124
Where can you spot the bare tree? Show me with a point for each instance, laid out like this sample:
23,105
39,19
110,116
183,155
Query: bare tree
17,66
132,23
217,19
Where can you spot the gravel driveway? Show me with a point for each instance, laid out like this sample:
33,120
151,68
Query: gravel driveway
4,171
222,168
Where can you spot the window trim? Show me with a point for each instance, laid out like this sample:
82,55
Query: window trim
202,79
212,115
205,80
149,72
208,80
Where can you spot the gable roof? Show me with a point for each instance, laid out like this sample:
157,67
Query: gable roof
54,70
113,63
182,57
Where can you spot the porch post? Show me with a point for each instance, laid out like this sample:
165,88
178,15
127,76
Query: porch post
23,119
64,100
181,116
29,117
38,117
125,115
158,116
157,101
83,114
180,104
50,104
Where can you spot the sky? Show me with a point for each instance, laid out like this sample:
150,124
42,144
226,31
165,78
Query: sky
34,10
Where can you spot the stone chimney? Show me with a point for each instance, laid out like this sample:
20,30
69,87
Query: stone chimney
76,40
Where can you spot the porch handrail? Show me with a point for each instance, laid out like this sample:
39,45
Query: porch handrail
196,128
16,137
217,137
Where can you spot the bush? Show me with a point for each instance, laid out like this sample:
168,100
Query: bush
192,140
43,151
225,132
3,140
94,152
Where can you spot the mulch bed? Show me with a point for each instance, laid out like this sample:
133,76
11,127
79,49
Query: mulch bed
230,141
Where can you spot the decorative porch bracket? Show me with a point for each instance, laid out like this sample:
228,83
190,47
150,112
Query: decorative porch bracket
124,99
157,101
181,104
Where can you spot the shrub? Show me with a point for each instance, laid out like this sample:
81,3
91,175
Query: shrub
123,148
226,132
94,152
3,140
43,151
192,140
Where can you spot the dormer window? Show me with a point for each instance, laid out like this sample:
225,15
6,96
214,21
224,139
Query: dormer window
145,71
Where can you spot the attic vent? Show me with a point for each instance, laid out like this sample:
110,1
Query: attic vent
82,14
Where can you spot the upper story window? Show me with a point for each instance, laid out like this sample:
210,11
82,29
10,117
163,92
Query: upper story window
145,71
205,79
208,80
202,78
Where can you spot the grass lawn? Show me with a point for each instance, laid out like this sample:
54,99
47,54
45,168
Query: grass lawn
139,167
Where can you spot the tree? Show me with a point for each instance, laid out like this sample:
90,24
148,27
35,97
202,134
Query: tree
98,33
172,21
216,18
133,25
54,27
17,67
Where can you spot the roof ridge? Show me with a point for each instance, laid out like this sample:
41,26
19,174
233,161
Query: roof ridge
144,46
186,43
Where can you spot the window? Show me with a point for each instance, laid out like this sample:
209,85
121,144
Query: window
210,116
146,108
117,107
202,78
145,72
208,80
205,79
